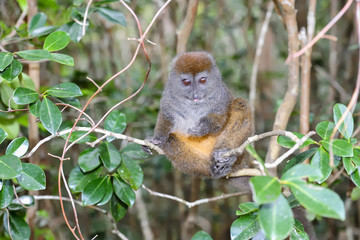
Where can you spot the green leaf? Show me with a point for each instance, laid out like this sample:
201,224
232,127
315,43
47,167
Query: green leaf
23,5
18,147
288,143
65,90
355,177
89,159
6,194
50,116
6,94
5,59
115,122
78,180
340,147
201,235
347,126
16,226
292,201
325,129
112,15
318,200
71,101
77,134
94,191
11,127
246,208
134,151
12,71
301,171
42,31
37,21
10,167
265,189
276,219
56,41
34,108
108,193
110,156
32,177
35,55
299,158
245,227
62,59
349,165
25,96
131,172
3,135
76,31
321,161
123,191
117,208
355,194
298,232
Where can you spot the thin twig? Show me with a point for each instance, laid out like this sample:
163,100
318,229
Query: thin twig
85,17
197,202
259,47
290,151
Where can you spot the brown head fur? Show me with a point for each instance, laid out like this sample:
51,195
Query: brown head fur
193,63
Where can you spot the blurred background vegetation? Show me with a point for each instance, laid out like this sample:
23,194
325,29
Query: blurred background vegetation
227,29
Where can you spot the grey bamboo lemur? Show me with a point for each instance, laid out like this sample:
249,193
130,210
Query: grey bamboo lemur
199,119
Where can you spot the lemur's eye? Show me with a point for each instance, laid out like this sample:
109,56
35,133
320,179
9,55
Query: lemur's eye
186,82
202,80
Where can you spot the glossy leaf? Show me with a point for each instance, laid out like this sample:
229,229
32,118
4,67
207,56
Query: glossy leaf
265,189
112,15
346,128
65,90
77,134
6,95
5,59
10,167
321,161
318,200
76,31
298,232
123,191
339,147
89,159
6,194
115,122
301,171
50,116
201,235
18,147
355,177
34,108
108,192
12,71
299,158
134,151
94,191
78,180
276,219
245,227
324,129
32,177
56,41
25,96
118,209
16,226
131,172
35,55
110,156
288,143
246,208
42,31
62,59
349,165
3,135
71,101
37,21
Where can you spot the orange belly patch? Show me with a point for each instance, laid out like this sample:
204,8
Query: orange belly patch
202,146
